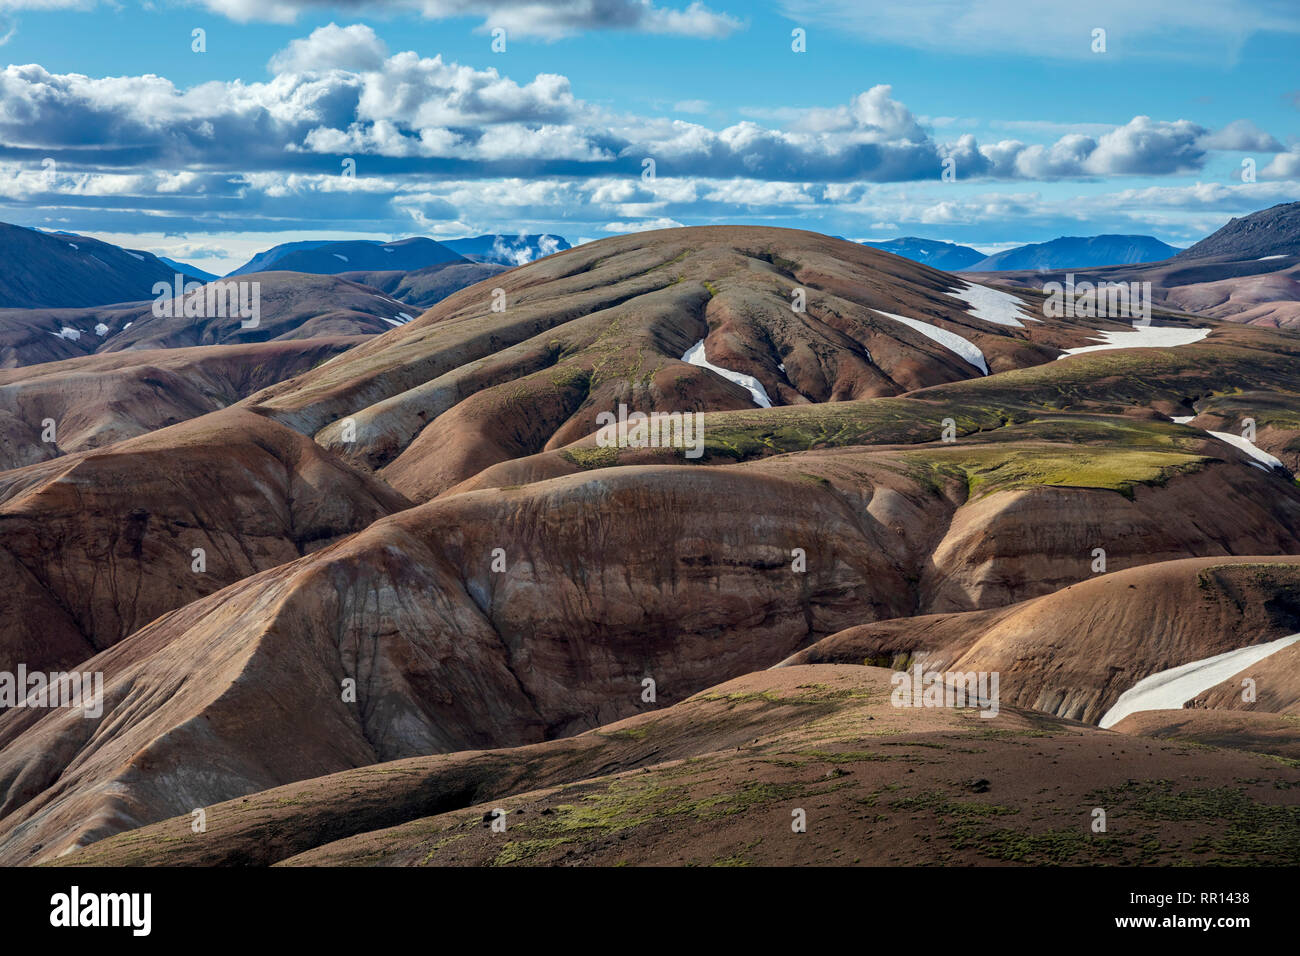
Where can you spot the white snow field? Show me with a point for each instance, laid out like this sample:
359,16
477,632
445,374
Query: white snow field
994,305
1269,462
695,356
1169,690
949,340
1145,337
1182,419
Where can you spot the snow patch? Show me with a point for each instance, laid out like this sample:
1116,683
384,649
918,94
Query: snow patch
134,255
949,340
1249,447
1170,689
337,256
74,245
101,330
392,321
72,335
127,326
1144,337
993,305
1266,258
404,316
1181,419
695,356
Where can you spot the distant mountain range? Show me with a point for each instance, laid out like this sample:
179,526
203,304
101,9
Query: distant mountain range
322,257
1078,252
1067,252
931,252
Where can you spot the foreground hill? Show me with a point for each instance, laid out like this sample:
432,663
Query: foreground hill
64,270
719,778
451,650
420,548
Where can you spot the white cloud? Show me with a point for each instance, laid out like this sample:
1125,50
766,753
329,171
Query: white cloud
1241,136
644,225
1284,165
332,47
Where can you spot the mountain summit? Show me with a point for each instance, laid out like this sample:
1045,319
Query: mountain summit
1270,232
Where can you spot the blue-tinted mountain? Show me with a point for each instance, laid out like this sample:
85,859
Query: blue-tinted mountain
357,255
186,269
1078,252
64,270
931,252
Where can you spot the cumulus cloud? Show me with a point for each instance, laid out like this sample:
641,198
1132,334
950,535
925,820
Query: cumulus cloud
337,93
437,145
1141,147
1284,165
1241,136
643,225
332,47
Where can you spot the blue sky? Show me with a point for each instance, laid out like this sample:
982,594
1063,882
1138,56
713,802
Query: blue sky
111,125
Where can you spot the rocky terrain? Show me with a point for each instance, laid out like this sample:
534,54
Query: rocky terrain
431,588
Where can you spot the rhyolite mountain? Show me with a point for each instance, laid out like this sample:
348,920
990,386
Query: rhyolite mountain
432,517
422,288
432,520
1269,232
1077,252
292,305
931,252
65,270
